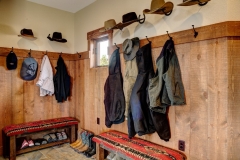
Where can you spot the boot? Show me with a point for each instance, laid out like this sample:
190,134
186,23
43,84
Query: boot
78,142
87,144
93,151
84,141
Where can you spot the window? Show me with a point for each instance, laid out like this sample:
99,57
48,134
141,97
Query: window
98,43
101,51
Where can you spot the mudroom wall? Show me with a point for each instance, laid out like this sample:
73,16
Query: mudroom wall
18,14
208,123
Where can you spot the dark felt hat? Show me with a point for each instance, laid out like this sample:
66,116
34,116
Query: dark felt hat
29,69
128,19
57,36
11,61
26,33
130,48
192,2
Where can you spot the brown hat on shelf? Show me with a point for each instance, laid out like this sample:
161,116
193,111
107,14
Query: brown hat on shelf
108,25
26,33
128,19
159,7
192,2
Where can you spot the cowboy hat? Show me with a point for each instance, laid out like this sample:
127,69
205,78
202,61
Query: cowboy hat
159,7
57,36
26,33
108,25
128,19
130,48
192,2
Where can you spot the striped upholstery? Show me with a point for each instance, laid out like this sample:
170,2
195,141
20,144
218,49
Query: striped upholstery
29,127
136,148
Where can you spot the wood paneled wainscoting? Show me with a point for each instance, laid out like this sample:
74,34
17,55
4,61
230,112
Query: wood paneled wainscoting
209,123
21,101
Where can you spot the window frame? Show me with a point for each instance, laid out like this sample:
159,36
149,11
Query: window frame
92,38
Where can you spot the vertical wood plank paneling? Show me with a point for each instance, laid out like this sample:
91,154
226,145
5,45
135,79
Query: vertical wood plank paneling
234,100
5,96
199,105
86,93
72,99
182,113
80,91
17,94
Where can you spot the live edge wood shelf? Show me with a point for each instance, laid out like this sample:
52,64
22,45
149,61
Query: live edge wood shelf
12,132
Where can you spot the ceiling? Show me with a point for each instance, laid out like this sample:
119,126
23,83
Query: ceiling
67,5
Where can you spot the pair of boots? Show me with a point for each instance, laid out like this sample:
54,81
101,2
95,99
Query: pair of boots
84,144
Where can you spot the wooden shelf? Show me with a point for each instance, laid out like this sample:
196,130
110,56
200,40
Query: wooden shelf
29,149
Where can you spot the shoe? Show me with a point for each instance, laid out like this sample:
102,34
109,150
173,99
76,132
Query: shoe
91,153
76,145
30,143
48,138
64,135
59,136
111,156
24,144
53,136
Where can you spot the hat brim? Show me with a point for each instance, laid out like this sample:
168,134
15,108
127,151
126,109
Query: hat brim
104,29
122,25
129,57
192,2
28,36
167,7
60,40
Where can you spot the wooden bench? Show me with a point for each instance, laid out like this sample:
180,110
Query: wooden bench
135,148
11,132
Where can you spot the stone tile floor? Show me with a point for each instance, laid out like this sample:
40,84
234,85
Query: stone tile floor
61,152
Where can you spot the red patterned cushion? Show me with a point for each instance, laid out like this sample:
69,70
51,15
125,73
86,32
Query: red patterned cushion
29,127
136,148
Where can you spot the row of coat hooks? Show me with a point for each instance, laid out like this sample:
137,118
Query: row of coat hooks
195,35
30,53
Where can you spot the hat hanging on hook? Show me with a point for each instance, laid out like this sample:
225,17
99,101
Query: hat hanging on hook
193,2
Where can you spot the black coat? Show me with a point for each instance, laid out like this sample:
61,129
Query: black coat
114,99
139,117
61,81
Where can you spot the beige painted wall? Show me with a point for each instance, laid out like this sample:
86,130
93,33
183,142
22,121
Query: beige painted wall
18,14
182,18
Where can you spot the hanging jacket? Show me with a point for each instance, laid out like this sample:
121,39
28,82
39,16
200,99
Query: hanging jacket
61,81
113,92
139,116
166,88
45,81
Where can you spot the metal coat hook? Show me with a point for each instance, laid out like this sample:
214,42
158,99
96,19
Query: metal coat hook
12,49
169,36
46,52
141,21
79,55
195,32
147,39
201,3
60,54
116,45
166,14
29,53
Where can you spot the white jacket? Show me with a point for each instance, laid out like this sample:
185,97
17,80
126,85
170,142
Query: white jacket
45,81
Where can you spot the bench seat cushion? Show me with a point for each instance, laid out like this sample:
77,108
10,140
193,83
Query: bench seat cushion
136,148
29,127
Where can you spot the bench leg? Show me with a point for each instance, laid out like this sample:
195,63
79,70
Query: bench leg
73,134
99,152
12,155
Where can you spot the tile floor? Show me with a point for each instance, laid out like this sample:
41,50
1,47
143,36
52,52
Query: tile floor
61,152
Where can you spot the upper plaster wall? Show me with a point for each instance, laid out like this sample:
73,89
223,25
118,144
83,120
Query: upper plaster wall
18,14
182,18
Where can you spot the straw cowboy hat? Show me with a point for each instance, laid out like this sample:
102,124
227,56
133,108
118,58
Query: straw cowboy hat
192,2
159,7
108,25
130,48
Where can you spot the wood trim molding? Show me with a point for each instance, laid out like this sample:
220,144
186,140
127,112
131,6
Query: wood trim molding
39,54
96,34
218,30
